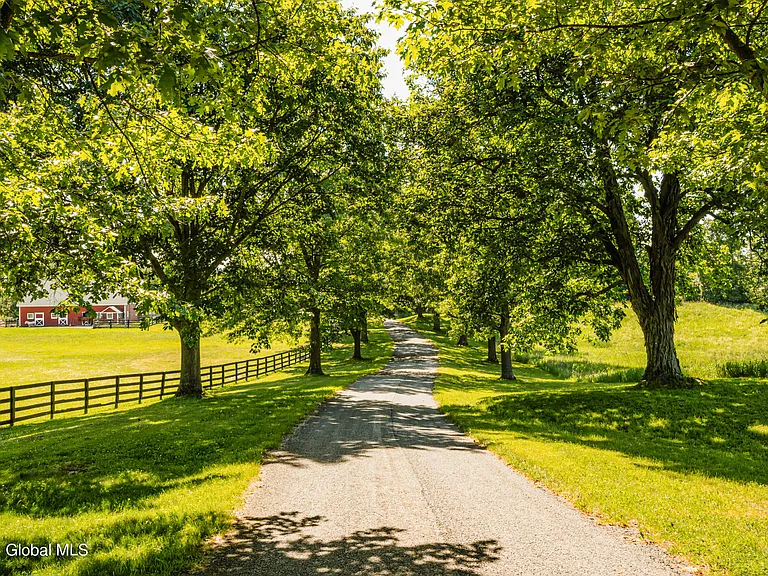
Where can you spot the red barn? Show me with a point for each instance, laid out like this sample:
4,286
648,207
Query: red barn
40,312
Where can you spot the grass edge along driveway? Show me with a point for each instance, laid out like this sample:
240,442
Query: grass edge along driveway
687,468
144,488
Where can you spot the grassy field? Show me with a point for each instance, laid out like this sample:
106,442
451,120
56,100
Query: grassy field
143,488
707,337
30,355
687,468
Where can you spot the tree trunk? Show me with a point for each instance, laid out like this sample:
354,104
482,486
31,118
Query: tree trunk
506,351
315,345
190,382
492,351
364,325
662,366
436,321
654,304
419,312
462,341
356,336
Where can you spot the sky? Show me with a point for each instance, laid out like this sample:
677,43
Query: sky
394,83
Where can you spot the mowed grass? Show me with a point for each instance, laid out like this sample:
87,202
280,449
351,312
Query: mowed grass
29,355
144,488
687,468
707,337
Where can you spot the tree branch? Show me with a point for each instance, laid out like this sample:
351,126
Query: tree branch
680,237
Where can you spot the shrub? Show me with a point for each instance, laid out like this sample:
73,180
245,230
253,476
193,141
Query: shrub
743,369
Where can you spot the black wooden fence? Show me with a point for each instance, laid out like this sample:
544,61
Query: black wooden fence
122,323
27,401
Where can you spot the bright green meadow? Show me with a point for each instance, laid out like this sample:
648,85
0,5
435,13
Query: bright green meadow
707,337
145,487
688,469
30,355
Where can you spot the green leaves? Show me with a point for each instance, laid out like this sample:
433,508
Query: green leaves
6,46
166,83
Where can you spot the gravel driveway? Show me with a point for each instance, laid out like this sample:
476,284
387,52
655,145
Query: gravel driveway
379,482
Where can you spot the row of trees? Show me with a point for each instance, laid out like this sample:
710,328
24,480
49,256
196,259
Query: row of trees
590,146
235,165
213,161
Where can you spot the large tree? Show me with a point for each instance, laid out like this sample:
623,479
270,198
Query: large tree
322,269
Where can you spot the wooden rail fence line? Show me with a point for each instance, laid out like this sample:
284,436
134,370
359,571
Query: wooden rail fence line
58,397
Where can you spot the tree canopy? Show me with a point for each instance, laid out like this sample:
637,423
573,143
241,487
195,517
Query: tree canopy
234,164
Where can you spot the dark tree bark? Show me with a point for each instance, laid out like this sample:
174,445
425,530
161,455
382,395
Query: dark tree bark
492,358
654,304
356,336
364,329
463,341
662,366
506,352
436,321
419,312
190,382
315,345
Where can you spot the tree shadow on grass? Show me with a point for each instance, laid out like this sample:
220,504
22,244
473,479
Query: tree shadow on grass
285,544
719,430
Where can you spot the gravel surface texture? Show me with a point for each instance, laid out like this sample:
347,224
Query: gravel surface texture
378,482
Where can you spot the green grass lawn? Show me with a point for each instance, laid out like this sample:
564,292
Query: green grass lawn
30,355
687,468
145,487
706,335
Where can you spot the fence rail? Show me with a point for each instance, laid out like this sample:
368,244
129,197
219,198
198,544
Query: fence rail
20,403
121,323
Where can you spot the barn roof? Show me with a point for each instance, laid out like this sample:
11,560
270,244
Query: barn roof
56,297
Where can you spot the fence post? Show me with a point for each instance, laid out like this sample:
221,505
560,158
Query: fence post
85,403
210,376
222,374
247,368
162,386
53,398
117,391
141,387
237,372
13,405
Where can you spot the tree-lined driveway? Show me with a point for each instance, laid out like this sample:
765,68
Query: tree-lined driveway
379,482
